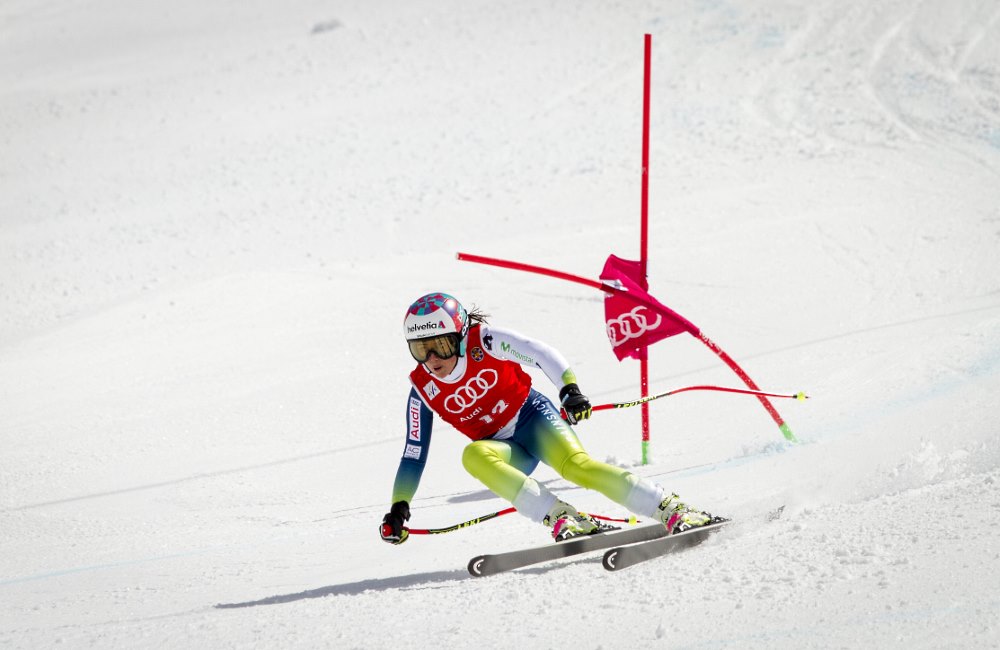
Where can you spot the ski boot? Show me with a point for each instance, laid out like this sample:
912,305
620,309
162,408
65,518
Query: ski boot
677,517
567,522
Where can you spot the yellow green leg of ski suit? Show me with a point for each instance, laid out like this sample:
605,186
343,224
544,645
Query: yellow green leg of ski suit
541,435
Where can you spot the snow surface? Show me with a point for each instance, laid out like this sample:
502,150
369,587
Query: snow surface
213,215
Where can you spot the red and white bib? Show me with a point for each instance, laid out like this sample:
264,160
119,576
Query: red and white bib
485,399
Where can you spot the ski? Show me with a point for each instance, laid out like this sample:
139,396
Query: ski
487,565
622,557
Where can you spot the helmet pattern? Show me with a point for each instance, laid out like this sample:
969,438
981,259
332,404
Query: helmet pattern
435,314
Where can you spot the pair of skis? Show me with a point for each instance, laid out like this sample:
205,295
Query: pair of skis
623,548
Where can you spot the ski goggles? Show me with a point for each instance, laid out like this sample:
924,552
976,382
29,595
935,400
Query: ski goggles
444,346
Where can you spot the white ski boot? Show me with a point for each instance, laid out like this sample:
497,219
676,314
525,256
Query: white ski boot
677,517
568,522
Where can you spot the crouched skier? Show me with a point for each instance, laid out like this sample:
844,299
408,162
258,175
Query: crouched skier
469,373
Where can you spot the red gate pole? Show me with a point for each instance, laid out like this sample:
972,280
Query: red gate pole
644,241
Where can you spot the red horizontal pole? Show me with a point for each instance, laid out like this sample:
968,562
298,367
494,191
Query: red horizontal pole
541,270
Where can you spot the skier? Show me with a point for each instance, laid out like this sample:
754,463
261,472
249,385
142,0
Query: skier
469,373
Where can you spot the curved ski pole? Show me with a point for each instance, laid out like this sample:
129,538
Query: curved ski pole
494,515
801,396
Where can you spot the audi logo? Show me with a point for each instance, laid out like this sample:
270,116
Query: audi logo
471,392
630,325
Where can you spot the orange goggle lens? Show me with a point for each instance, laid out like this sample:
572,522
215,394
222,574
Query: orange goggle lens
444,347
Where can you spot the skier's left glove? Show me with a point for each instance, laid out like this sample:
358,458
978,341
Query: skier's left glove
574,403
392,530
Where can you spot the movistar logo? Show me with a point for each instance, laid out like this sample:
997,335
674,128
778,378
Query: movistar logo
426,326
507,349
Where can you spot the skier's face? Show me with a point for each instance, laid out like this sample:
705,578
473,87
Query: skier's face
441,367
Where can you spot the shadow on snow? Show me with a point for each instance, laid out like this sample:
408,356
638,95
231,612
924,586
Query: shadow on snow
415,581
354,588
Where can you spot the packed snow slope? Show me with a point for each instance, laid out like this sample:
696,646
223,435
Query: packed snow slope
213,216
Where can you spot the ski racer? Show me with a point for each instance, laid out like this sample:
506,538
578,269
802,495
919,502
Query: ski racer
469,373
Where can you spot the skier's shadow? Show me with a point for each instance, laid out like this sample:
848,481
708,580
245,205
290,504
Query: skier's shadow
415,581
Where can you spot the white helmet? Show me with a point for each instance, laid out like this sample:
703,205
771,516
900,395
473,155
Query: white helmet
436,323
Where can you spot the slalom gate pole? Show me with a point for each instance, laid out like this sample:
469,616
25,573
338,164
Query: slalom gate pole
531,268
644,239
540,270
773,412
494,515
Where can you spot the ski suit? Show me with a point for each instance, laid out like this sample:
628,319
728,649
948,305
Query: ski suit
488,397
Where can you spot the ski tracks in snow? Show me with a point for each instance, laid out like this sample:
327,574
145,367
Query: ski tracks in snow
919,60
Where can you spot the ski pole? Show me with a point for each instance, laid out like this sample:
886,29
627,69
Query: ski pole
464,524
494,515
801,396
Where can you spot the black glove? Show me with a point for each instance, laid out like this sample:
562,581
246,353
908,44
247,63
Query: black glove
574,403
392,530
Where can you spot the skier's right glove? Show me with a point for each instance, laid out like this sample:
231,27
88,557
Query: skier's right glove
392,530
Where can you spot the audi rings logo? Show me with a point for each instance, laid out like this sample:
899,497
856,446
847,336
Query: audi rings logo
630,325
473,390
